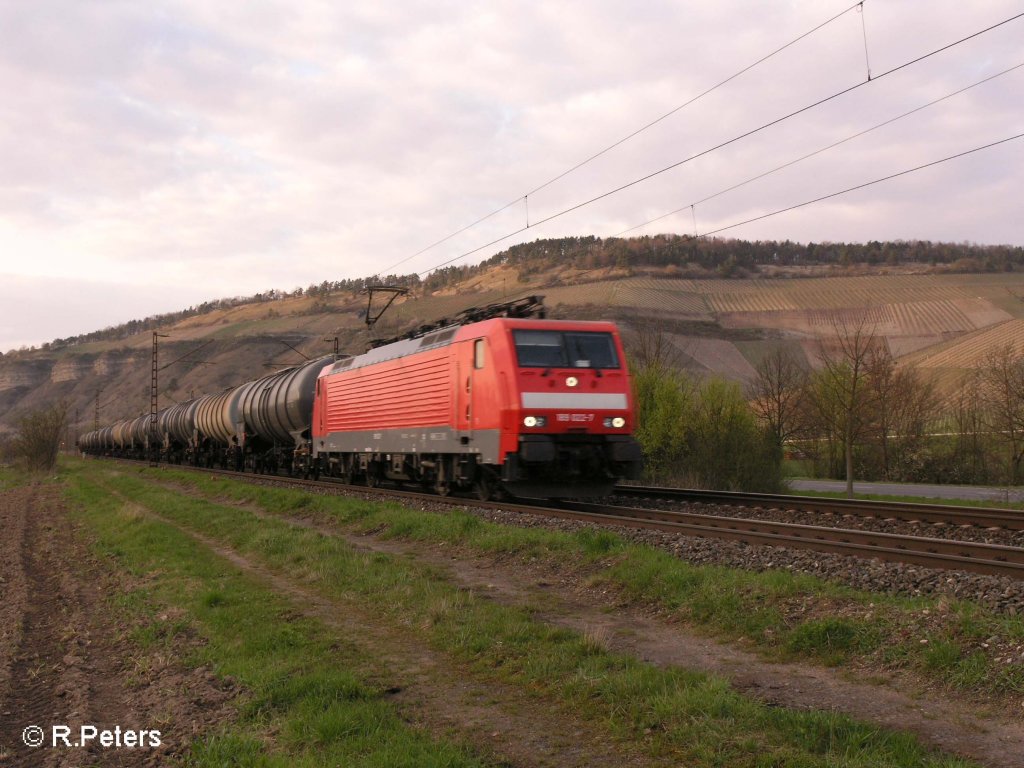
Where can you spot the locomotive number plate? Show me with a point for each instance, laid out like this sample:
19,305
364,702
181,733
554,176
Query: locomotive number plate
574,417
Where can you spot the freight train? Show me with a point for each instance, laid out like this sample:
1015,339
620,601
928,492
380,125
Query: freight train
497,398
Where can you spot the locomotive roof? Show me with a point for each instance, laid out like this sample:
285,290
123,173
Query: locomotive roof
443,337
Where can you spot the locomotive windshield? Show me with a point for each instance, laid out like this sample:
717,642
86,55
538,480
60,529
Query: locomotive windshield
565,349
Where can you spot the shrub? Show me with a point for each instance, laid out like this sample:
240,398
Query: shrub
38,437
702,434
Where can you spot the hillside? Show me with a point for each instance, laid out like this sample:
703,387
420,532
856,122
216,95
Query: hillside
940,320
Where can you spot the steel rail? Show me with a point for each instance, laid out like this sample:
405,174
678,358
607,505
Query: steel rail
943,554
983,517
946,554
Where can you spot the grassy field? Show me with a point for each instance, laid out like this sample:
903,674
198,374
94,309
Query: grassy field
321,696
755,606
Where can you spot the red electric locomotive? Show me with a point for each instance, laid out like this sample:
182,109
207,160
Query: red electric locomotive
540,407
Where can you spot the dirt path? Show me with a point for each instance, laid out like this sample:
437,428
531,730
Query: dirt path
947,722
64,662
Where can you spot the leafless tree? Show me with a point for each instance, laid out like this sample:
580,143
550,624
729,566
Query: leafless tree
650,346
840,396
904,403
38,437
777,393
967,410
1002,377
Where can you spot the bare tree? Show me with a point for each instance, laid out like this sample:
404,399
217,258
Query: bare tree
968,415
650,345
777,392
842,399
904,402
1002,377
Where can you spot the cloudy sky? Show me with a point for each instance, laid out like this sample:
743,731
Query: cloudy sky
157,154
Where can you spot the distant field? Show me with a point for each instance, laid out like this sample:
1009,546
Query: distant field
970,351
938,321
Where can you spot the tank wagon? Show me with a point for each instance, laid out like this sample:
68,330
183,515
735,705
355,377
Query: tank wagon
177,427
258,426
496,397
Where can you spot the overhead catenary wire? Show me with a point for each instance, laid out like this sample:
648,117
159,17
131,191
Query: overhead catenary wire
190,352
833,145
728,142
708,91
864,185
696,98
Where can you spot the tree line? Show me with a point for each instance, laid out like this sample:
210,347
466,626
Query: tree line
725,257
855,414
860,414
682,256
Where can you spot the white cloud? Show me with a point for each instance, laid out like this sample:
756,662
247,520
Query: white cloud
253,145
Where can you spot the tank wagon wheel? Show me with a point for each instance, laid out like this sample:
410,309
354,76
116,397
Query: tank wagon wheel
442,488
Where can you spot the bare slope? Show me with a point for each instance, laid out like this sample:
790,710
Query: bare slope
718,326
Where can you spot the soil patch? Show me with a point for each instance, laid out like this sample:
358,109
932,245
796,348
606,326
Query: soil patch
64,661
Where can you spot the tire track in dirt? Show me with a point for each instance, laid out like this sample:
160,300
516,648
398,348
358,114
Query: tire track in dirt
66,660
47,676
44,685
13,599
942,721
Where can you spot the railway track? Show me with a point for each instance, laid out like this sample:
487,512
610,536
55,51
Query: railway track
931,552
983,517
946,554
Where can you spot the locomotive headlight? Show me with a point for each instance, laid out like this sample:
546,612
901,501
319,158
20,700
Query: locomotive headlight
618,422
534,421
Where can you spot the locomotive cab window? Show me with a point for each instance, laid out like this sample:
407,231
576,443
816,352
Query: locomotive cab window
478,354
565,349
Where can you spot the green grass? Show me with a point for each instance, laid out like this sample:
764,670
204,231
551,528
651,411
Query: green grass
766,609
298,710
9,478
672,714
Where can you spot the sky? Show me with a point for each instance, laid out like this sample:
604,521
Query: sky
156,155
